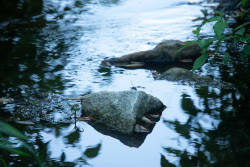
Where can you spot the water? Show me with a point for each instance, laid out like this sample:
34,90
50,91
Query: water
58,48
122,29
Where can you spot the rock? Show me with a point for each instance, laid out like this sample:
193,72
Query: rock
181,74
165,52
120,111
188,77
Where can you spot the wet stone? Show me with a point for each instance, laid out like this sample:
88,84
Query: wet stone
168,51
188,77
120,111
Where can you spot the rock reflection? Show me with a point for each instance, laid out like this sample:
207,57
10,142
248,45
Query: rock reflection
133,140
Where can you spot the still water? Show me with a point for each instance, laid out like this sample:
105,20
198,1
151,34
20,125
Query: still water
57,46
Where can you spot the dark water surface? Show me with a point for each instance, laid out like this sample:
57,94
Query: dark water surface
56,46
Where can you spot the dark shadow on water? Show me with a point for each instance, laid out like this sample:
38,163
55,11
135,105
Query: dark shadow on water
133,140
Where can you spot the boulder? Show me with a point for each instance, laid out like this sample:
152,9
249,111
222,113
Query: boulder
164,53
188,77
120,111
182,74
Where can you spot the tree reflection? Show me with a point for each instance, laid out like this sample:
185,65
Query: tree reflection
25,61
43,150
35,37
225,142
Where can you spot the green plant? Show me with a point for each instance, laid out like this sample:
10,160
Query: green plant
238,35
17,145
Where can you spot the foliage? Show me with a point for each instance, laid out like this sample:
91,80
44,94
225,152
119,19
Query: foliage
239,36
18,145
243,2
17,148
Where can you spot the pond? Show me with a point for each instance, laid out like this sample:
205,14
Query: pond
57,46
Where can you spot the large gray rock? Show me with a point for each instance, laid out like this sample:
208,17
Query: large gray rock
120,111
165,52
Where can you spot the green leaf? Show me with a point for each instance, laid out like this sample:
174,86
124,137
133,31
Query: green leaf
3,162
247,37
11,131
241,32
33,153
246,49
226,58
93,151
221,12
205,43
28,147
229,37
204,12
219,29
186,45
216,18
242,2
13,150
34,102
197,31
200,61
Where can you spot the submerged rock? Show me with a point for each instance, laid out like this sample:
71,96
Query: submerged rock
188,77
120,111
165,52
182,74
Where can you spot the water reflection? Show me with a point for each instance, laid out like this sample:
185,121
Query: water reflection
36,38
71,138
134,140
217,130
25,63
127,27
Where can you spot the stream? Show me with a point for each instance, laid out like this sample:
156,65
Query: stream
57,46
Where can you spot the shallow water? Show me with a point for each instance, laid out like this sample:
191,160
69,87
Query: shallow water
59,49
